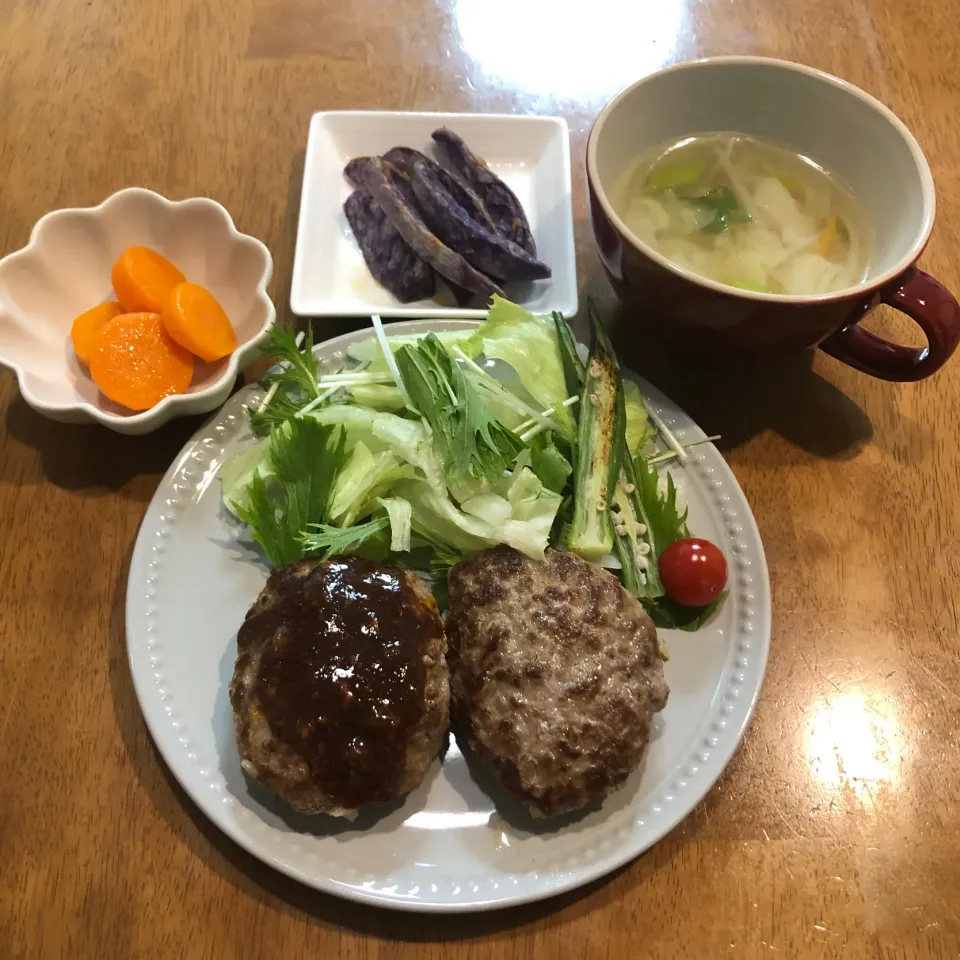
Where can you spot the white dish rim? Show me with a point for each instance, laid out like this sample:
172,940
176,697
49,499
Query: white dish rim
351,308
718,740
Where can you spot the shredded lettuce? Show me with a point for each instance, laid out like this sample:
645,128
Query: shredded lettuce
368,350
640,431
400,513
490,507
236,475
549,464
377,396
364,477
527,343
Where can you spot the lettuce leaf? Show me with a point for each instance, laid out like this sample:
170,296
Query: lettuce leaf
527,343
368,350
549,464
364,477
409,440
640,431
532,511
470,534
490,507
400,513
236,475
379,396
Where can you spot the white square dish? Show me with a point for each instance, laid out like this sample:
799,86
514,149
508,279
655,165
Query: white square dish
530,154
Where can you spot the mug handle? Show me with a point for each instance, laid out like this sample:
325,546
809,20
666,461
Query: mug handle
930,305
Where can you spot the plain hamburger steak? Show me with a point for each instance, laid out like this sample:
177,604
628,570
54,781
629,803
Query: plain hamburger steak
340,690
555,675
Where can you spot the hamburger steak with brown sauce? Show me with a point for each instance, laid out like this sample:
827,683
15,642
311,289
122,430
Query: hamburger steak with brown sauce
555,675
340,690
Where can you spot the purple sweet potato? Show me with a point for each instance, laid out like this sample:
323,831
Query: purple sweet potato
484,249
403,158
392,191
389,258
498,199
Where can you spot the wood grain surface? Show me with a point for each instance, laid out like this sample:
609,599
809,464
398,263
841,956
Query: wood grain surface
832,833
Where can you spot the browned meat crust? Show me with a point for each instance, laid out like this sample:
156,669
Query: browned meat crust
556,674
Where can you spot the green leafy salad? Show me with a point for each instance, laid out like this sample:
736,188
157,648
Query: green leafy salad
425,449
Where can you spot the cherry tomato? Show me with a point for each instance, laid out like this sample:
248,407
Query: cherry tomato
693,572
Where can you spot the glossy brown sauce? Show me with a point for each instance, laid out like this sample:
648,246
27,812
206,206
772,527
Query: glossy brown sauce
341,681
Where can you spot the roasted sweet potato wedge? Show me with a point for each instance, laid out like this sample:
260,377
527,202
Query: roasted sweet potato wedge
392,191
389,258
403,158
484,249
498,199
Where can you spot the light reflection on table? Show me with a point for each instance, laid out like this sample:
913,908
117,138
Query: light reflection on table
854,742
615,44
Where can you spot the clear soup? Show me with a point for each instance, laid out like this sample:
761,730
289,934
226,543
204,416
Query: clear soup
747,213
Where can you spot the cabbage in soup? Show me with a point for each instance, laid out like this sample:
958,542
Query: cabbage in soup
746,213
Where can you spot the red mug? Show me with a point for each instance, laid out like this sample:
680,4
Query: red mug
833,123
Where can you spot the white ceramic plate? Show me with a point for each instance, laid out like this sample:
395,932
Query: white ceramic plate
447,847
531,155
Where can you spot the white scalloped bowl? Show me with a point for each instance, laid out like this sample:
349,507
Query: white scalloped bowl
65,269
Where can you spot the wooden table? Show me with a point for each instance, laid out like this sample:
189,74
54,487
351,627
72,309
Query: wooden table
834,830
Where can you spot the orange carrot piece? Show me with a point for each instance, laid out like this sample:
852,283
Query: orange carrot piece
826,238
194,318
136,364
86,328
142,279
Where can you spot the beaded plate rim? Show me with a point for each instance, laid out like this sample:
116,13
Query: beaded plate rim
731,707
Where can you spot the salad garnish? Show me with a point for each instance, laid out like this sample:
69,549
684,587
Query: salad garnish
426,449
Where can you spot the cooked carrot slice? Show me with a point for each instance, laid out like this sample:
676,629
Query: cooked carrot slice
87,327
194,318
142,279
135,362
826,238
